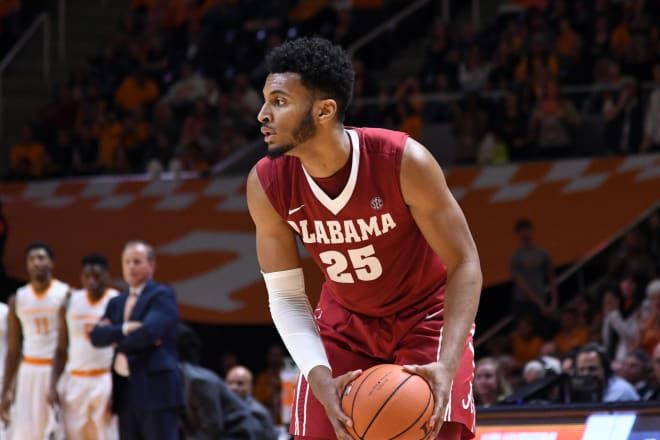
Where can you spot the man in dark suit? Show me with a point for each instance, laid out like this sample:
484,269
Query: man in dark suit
142,325
212,410
240,380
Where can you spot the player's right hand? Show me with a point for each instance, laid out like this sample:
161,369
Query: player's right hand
328,391
5,407
52,398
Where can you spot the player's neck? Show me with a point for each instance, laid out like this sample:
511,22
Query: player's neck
95,295
326,153
41,286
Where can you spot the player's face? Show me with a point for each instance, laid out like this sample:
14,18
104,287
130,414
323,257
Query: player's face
287,114
136,267
94,278
39,265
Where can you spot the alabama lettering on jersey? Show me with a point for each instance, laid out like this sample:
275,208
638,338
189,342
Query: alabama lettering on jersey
81,316
375,258
38,316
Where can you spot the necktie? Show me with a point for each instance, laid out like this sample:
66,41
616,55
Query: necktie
130,304
121,362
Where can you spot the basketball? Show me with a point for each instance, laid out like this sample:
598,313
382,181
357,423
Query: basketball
387,402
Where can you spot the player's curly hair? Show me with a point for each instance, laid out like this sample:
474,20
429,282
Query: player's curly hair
323,67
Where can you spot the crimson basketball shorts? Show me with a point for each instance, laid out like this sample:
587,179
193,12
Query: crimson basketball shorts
353,341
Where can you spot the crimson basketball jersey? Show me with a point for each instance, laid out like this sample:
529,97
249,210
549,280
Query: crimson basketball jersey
375,259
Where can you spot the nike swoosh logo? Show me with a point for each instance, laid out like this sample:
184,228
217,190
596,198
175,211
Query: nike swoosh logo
431,315
293,211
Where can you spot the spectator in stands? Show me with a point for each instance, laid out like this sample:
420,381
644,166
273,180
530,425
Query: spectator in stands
470,126
28,158
655,379
473,71
240,381
540,367
245,98
623,117
512,127
553,123
212,409
592,360
135,91
535,288
268,386
85,151
155,59
108,130
635,369
569,47
197,143
525,343
631,256
135,136
186,90
650,331
490,385
570,334
621,314
568,361
651,135
165,132
652,234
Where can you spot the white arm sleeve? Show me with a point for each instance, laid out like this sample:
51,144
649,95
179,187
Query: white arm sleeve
293,318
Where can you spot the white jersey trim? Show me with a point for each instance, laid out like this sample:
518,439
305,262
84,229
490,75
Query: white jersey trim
337,204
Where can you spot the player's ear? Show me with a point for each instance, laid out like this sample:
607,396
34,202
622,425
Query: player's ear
326,110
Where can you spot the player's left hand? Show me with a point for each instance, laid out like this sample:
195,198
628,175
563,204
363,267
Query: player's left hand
438,376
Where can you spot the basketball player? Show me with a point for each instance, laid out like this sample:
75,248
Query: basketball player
4,310
31,342
402,273
85,389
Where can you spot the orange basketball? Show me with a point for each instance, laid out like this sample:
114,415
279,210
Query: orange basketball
386,402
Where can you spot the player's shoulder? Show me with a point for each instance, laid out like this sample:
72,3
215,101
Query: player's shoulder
269,170
111,292
60,286
375,137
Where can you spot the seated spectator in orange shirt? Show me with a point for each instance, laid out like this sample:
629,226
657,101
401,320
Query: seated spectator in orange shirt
28,158
570,334
650,332
525,344
107,131
136,90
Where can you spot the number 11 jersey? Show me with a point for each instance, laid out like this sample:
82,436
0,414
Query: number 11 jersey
375,259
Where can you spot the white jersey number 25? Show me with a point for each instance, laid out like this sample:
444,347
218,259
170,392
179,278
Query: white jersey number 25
364,264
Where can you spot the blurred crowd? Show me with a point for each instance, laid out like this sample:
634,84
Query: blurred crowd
178,86
600,345
531,83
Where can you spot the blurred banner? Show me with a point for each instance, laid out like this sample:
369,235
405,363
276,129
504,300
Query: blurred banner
204,239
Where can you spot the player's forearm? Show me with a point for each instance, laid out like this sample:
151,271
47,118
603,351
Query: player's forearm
11,367
59,361
460,309
105,335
